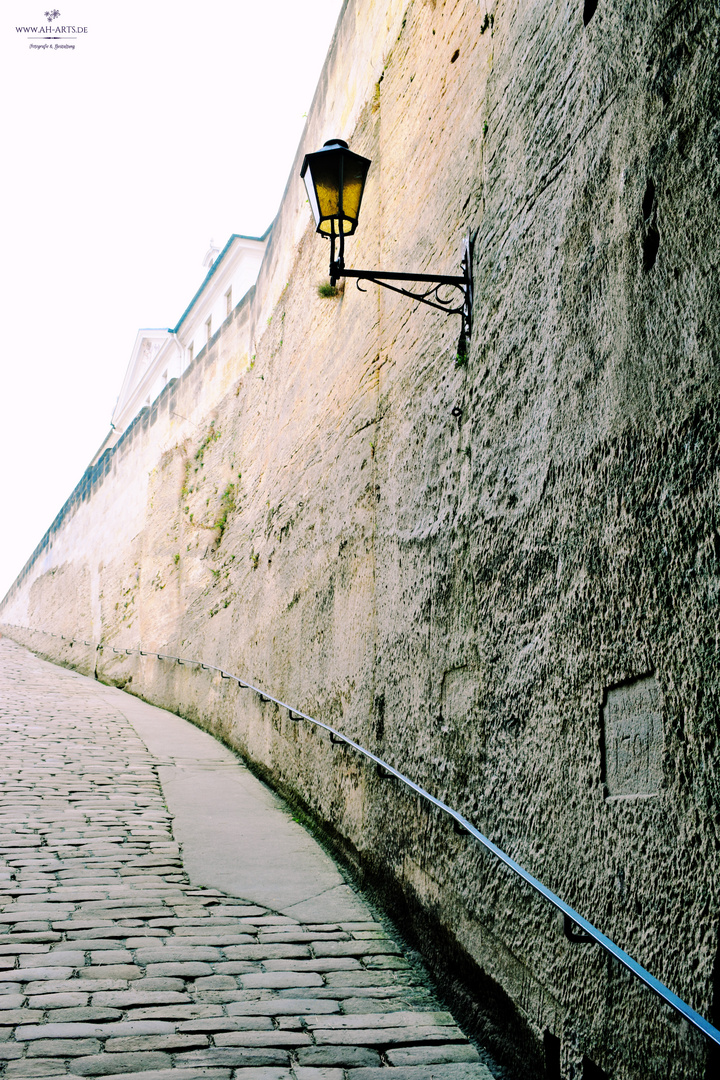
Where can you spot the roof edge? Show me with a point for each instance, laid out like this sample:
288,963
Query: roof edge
211,271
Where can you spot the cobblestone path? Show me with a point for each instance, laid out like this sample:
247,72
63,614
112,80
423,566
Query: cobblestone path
113,965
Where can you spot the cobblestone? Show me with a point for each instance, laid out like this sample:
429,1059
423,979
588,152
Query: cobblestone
114,965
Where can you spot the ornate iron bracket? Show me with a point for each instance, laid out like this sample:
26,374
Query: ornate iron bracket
434,295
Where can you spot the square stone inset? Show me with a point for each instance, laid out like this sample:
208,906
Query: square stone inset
633,730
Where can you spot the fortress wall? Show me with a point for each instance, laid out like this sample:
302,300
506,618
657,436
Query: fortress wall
107,509
501,576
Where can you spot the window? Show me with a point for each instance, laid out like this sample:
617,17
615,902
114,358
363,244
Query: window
228,301
208,327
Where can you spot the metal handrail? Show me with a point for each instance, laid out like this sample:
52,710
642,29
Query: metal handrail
571,917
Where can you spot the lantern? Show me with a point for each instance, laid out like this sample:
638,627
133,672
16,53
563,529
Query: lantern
335,178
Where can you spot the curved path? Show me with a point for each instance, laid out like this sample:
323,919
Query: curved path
162,917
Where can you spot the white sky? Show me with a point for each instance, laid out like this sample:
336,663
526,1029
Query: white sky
168,124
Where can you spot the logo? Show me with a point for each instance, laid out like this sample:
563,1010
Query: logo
52,36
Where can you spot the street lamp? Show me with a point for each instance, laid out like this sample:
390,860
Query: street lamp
335,179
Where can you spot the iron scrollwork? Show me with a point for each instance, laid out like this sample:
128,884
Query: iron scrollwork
433,296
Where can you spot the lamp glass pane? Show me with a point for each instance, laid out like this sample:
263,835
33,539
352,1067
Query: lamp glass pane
352,194
326,178
312,197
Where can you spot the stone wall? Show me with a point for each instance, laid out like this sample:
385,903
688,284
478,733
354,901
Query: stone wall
500,575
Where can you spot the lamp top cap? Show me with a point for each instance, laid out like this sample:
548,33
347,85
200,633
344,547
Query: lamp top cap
336,142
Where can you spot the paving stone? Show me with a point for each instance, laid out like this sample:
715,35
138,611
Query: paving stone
376,1036
112,971
130,901
62,986
174,953
206,1074
35,1068
158,983
311,1073
216,982
218,941
172,1041
262,1038
34,974
136,915
342,992
387,963
432,1055
80,1015
379,1005
211,935
10,1050
391,1020
289,1023
261,1073
116,945
329,963
191,969
108,1064
278,1007
280,980
33,927
355,948
69,893
301,936
124,999
266,952
11,1001
63,1047
234,1056
100,1031
40,914
240,967
16,948
45,936
179,1012
451,1071
249,911
223,997
211,1073
20,1016
229,1023
80,923
347,1057
140,935
116,955
55,1001
54,959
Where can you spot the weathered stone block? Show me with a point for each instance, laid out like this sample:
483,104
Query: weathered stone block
110,1064
63,1047
346,1057
633,736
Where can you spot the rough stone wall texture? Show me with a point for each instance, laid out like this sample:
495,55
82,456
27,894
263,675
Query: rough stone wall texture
502,576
